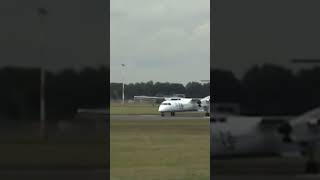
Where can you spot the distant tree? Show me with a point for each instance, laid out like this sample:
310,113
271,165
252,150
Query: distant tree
308,88
176,88
93,85
269,90
226,87
193,89
206,89
19,93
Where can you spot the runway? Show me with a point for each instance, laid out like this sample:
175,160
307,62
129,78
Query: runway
158,117
260,168
265,177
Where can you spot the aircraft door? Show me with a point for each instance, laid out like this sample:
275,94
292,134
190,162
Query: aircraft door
227,139
179,106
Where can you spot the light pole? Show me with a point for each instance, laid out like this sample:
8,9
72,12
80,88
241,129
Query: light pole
42,12
122,74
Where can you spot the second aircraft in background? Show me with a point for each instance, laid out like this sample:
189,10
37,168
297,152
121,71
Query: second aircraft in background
180,104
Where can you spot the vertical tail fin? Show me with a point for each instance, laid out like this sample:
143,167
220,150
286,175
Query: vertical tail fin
309,115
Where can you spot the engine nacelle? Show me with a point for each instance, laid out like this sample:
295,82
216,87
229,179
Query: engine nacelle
314,122
285,129
199,103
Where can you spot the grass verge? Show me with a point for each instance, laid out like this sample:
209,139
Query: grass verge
156,150
133,109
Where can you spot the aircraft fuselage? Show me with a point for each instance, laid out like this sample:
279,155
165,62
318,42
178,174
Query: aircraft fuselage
243,136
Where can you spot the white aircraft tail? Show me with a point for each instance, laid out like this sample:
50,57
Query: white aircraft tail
207,98
205,104
310,116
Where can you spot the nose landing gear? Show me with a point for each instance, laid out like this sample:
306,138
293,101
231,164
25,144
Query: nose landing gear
171,114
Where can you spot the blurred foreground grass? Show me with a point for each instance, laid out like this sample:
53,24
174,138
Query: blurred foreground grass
141,109
160,150
25,151
133,109
53,156
140,149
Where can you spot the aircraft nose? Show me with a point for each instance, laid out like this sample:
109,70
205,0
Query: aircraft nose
162,108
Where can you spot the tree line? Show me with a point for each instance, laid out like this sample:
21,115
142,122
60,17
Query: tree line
65,92
263,90
268,89
191,89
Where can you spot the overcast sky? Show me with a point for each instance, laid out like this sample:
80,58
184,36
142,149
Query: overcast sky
73,33
254,32
160,40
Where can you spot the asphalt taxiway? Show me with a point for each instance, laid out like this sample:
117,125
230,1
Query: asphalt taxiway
260,168
158,117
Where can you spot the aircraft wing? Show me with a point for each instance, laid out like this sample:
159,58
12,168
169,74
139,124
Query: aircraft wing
302,129
200,99
148,98
196,99
273,122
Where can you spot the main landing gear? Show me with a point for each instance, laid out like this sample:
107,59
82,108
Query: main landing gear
171,114
312,165
207,114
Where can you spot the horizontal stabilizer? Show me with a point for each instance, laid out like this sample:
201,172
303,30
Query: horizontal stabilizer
148,97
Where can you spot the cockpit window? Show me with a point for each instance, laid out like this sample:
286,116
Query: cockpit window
166,104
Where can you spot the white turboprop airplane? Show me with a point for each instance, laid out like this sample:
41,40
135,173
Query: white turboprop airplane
233,136
180,104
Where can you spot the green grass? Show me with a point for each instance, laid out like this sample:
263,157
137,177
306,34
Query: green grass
133,109
140,149
140,109
53,155
160,150
30,152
